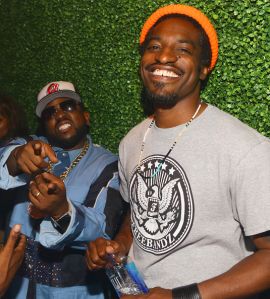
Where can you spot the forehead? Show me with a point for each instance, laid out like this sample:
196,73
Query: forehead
176,28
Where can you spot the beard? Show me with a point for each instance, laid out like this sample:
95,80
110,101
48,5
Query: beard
71,141
150,101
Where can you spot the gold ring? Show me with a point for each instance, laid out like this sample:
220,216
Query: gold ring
37,194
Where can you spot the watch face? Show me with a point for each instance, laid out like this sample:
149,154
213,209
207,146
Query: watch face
62,223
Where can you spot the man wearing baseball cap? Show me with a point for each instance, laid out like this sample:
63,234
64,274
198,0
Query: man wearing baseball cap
67,195
197,178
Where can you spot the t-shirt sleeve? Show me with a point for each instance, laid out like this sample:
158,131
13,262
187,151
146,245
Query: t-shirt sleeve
251,190
122,174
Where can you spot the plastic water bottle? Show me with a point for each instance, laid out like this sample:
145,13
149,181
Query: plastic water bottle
125,277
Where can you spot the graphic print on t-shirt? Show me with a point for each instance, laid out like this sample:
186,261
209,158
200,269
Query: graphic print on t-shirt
162,205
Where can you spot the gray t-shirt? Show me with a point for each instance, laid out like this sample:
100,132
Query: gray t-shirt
189,219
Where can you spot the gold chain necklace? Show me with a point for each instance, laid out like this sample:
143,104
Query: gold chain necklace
74,163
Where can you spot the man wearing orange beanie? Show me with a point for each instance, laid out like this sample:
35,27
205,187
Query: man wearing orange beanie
197,178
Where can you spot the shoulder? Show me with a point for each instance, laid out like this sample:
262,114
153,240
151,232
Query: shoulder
230,130
101,155
103,151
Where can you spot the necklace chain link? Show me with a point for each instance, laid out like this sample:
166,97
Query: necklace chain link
74,163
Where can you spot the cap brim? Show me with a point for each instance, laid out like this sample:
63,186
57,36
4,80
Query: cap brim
59,94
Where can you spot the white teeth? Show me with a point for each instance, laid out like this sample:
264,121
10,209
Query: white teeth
64,127
165,73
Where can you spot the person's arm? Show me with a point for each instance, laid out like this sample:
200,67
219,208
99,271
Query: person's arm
246,279
96,215
99,249
250,191
30,158
11,257
13,173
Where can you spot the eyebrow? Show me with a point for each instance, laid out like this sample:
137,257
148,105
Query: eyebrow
180,41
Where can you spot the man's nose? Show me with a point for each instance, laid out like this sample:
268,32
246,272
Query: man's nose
59,113
166,55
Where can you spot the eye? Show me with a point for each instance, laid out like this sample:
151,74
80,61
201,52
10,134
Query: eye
184,50
153,47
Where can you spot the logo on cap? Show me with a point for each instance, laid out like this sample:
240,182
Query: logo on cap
52,88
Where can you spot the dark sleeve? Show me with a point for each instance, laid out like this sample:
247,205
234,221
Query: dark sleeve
115,207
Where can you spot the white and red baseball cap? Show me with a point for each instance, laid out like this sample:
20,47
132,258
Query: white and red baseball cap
54,90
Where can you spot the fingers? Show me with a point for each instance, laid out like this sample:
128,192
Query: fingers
47,183
35,190
54,184
17,256
52,188
29,166
41,151
90,262
21,244
113,248
31,157
35,212
49,177
40,184
36,193
47,151
48,194
36,153
12,240
96,255
44,184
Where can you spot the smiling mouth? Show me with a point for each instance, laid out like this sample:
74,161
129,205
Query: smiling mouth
63,127
165,73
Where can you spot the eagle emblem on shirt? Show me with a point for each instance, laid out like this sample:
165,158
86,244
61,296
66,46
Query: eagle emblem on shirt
156,211
162,204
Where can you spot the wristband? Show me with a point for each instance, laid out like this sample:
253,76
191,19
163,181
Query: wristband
187,292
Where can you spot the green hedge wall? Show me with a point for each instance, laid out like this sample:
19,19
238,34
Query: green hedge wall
94,43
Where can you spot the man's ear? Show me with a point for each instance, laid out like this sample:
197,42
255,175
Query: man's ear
87,117
204,72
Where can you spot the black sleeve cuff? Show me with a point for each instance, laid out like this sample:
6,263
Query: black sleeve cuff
186,292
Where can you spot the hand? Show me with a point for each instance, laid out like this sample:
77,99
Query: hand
11,257
35,213
48,194
155,293
30,158
98,251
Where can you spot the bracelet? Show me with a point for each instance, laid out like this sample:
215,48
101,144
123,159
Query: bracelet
187,292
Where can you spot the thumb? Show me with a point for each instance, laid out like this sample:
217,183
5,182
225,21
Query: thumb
12,239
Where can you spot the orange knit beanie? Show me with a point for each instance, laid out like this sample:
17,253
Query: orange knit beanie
191,12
